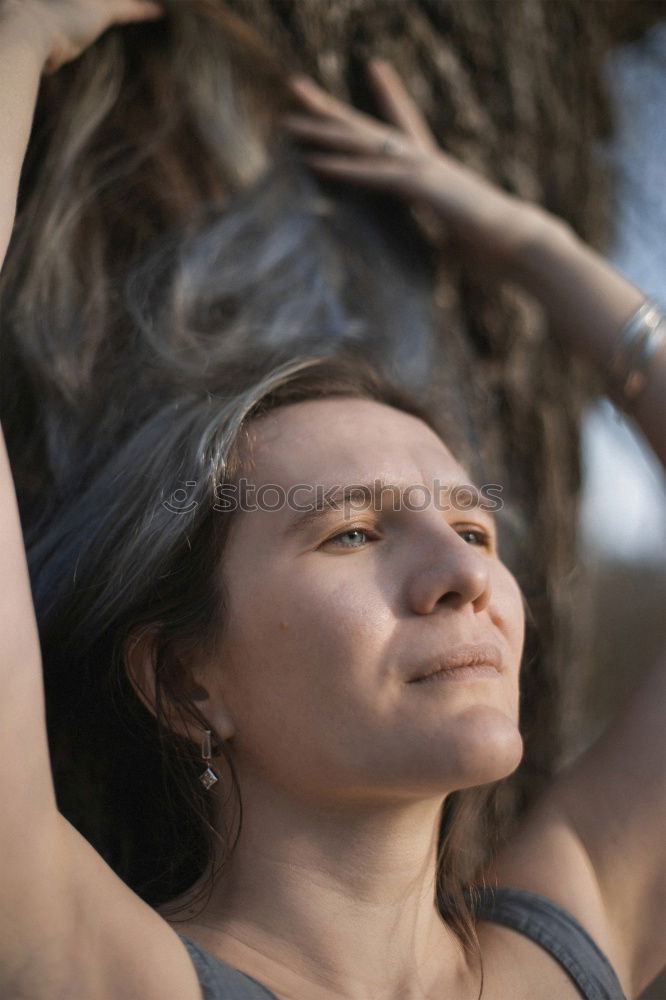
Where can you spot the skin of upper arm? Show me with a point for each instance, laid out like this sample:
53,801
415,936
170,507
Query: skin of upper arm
614,798
595,841
68,925
25,767
79,932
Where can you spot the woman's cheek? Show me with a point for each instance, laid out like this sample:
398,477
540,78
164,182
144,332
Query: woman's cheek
322,621
506,606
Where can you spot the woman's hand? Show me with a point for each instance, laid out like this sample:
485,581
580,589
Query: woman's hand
403,158
63,29
36,37
585,300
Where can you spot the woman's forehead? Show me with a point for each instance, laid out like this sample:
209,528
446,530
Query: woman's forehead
320,440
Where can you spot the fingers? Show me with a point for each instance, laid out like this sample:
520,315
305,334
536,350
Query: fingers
317,100
402,158
336,125
368,171
140,10
397,105
344,137
360,149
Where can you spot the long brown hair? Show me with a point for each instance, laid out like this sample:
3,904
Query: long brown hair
167,239
164,221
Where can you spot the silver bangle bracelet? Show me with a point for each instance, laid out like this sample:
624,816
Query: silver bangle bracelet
636,344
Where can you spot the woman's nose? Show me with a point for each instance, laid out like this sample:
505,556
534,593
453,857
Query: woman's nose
451,573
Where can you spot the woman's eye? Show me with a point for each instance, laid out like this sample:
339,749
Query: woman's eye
485,538
353,538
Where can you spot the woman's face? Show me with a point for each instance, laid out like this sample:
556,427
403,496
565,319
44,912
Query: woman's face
332,617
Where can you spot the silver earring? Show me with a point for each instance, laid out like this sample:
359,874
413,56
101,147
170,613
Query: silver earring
209,777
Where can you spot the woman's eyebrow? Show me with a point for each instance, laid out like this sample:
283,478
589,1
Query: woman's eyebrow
361,496
329,498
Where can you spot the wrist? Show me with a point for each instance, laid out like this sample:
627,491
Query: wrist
585,299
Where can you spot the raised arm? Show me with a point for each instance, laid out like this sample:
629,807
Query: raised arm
22,56
596,842
602,826
586,301
21,61
68,925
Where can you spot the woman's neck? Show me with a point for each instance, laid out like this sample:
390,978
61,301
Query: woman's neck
334,905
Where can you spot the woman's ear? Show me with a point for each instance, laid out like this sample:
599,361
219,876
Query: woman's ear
140,663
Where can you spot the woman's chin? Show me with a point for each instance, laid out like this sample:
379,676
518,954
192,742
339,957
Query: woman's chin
487,746
478,747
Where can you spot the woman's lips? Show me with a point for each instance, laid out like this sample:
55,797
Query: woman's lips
464,662
475,673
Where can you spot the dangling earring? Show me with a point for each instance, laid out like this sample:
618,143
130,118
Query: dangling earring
209,777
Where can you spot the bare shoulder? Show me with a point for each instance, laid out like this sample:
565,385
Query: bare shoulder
93,937
546,856
595,841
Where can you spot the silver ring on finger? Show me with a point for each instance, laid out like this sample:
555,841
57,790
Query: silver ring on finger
388,147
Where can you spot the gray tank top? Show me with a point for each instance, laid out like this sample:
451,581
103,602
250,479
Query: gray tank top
536,917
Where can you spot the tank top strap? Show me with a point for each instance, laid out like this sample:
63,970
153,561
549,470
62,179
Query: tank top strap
543,921
220,981
556,931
